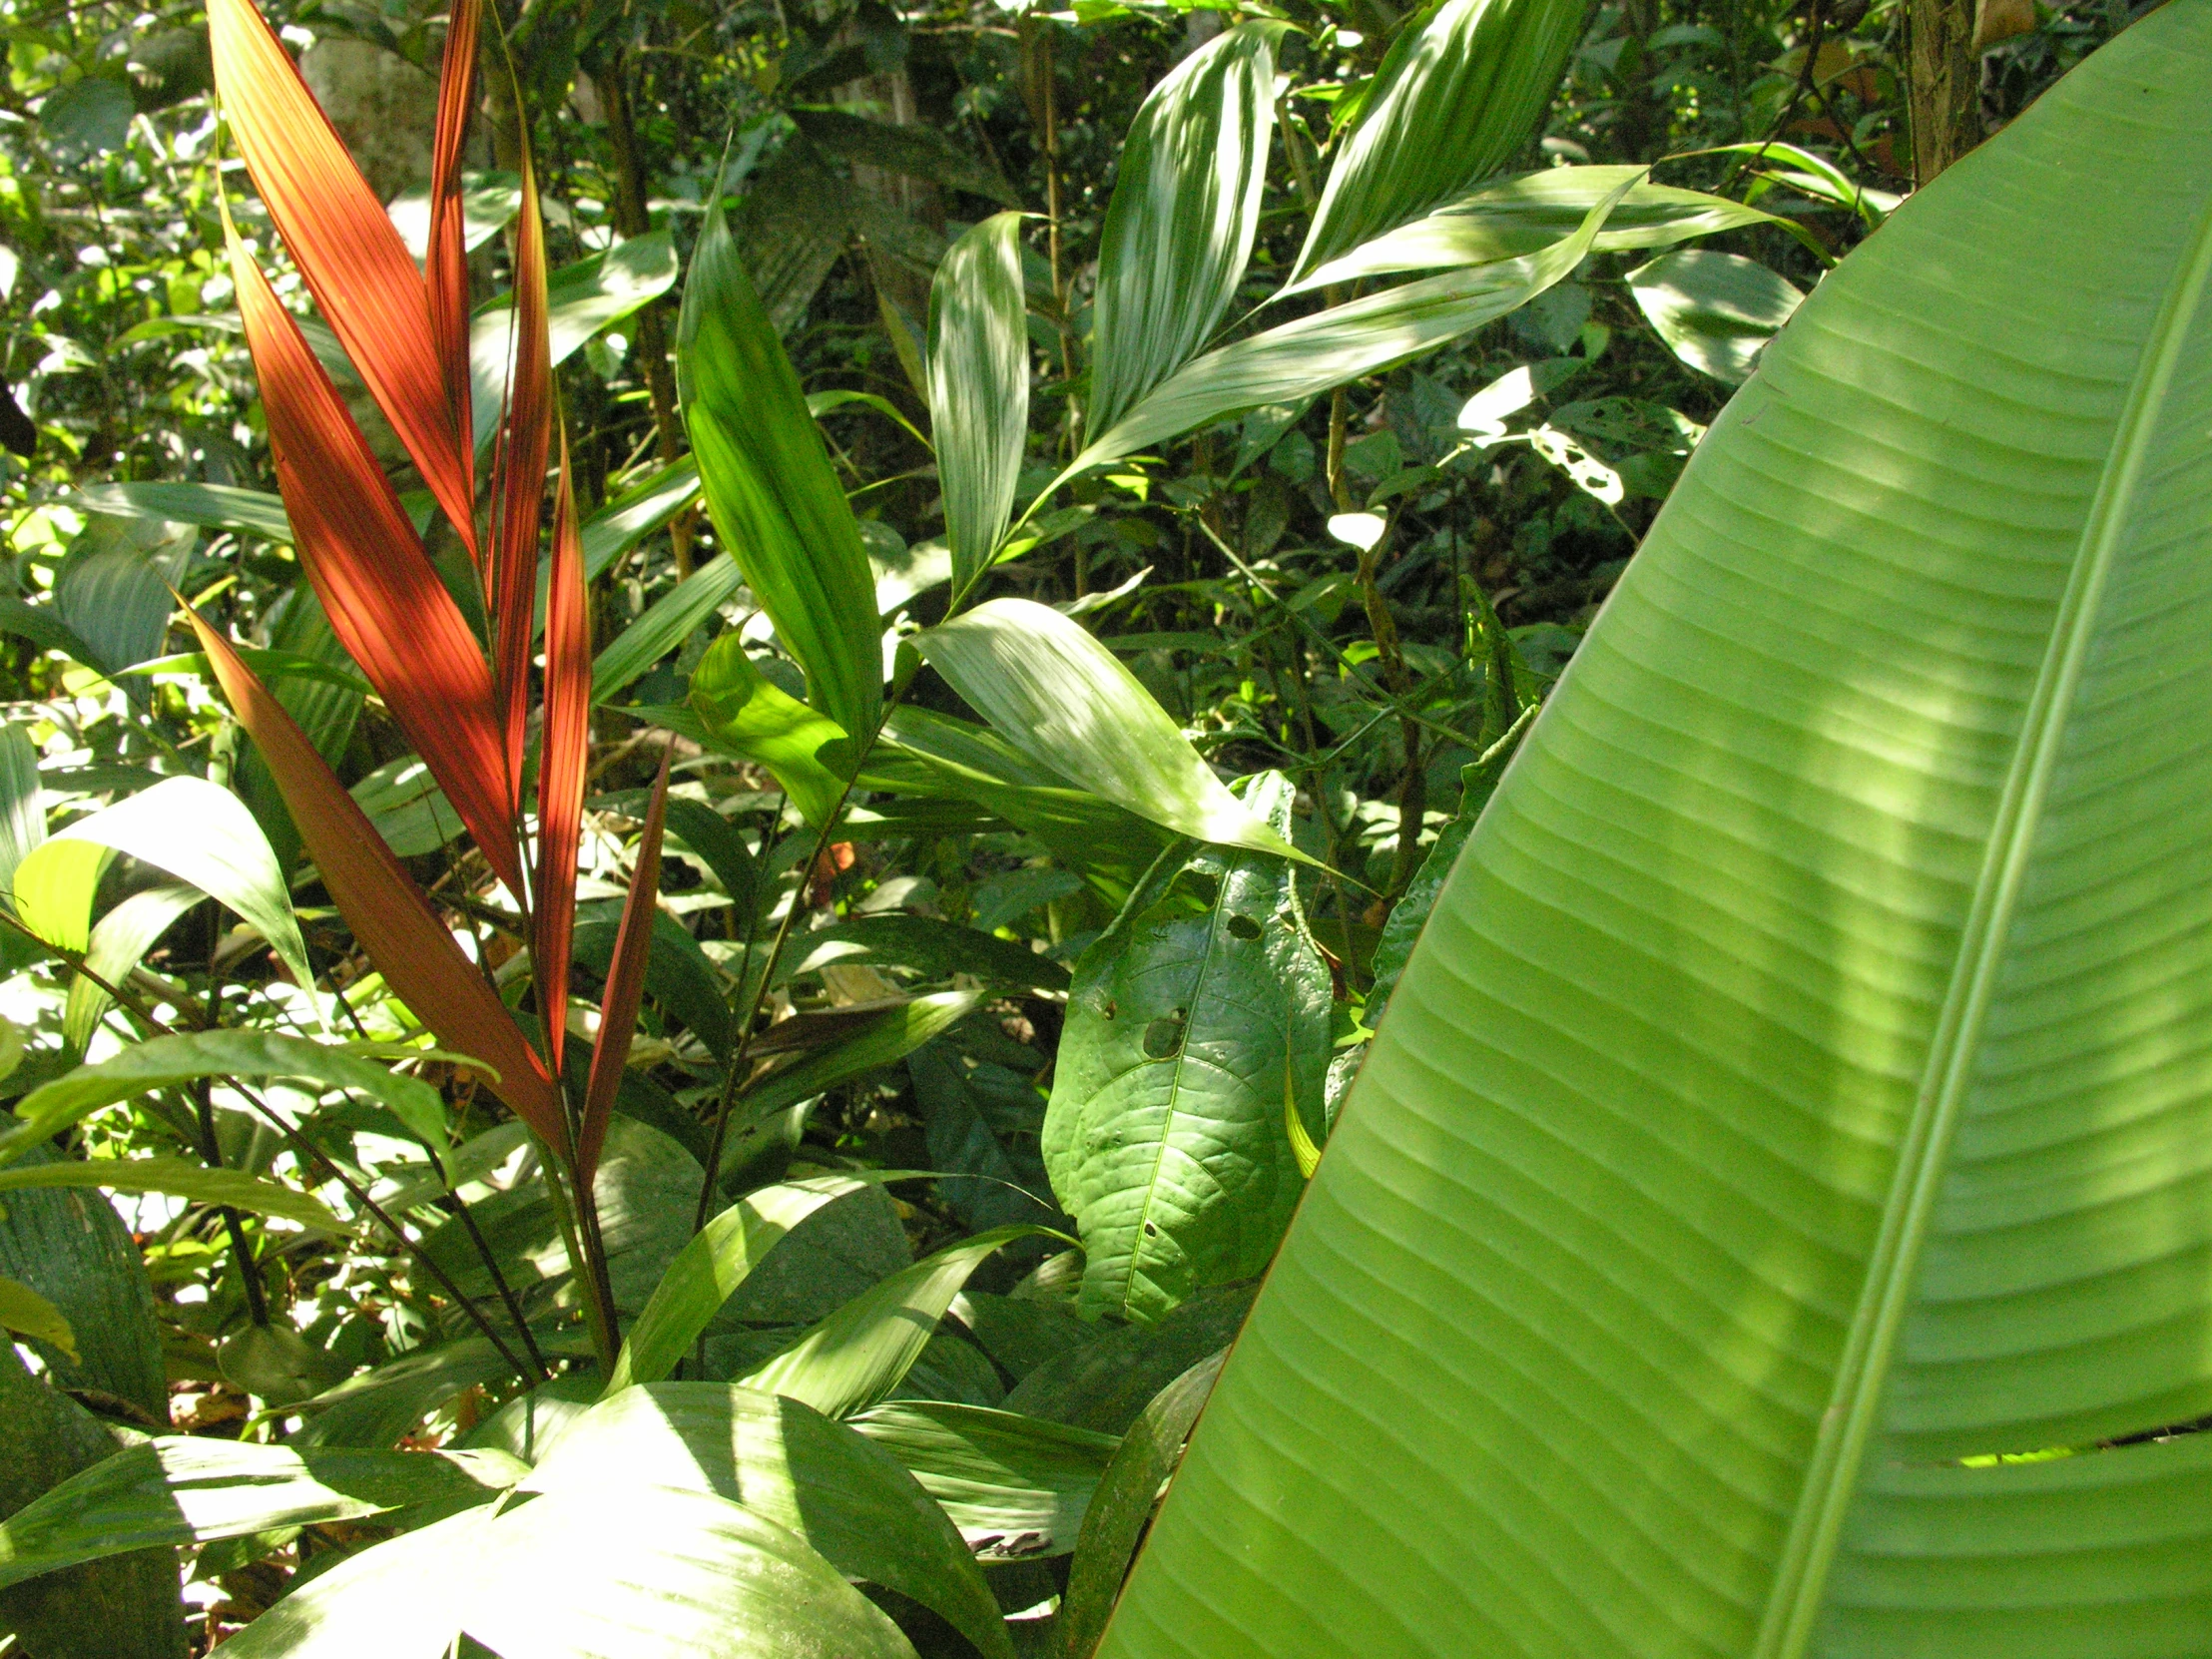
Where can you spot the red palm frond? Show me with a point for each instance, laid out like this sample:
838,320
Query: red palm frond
563,753
618,1004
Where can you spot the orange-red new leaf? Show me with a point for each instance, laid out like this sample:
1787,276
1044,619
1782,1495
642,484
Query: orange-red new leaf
384,597
518,484
563,752
446,268
618,1005
388,914
345,247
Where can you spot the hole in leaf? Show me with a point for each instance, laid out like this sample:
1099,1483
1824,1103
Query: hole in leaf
1164,1036
1244,927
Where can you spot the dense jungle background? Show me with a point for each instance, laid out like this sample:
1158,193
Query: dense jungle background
982,1020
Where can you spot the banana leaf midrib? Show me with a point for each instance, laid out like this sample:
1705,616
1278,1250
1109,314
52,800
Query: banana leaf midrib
1847,1424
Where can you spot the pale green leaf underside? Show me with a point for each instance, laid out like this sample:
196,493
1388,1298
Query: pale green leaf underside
1805,1079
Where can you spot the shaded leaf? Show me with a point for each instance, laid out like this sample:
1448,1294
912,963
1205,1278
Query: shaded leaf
1714,311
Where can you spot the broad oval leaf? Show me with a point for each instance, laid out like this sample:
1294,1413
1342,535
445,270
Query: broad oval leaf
978,378
1186,206
1167,1136
775,504
1798,1099
1456,98
1064,700
1716,312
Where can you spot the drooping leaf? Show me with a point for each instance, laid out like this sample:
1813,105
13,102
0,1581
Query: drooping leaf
1014,1485
1454,100
853,1359
769,487
388,915
1166,1138
358,269
1106,1385
1064,700
740,708
119,940
940,756
782,1459
400,1599
711,838
1715,311
210,506
180,1489
1185,208
679,975
982,1127
637,513
978,374
1510,219
201,833
178,1179
1795,1103
654,1572
1295,361
164,1062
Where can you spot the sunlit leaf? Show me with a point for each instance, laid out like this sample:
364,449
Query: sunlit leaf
1715,311
978,374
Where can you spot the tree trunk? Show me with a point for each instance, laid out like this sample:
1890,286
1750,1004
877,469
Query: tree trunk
1942,84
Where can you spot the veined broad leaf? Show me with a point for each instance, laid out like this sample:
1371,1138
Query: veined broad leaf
1167,1138
400,1599
1186,206
1453,101
880,1035
178,1179
1795,1105
210,506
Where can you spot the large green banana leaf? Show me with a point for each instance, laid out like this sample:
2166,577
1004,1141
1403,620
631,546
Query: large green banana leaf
1800,1105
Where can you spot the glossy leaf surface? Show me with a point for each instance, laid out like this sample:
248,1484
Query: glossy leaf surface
849,1500
978,378
1186,206
1715,311
1480,71
1065,701
1796,1099
774,502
